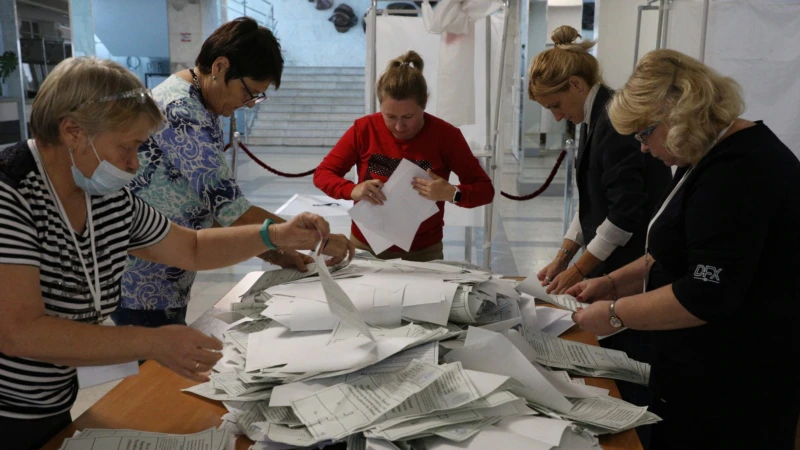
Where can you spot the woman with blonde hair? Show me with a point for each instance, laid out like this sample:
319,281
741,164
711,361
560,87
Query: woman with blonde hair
721,291
618,186
67,224
377,143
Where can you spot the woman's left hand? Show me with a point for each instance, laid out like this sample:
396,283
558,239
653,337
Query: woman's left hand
288,259
595,318
437,189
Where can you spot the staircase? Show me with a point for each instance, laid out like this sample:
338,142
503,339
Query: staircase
312,109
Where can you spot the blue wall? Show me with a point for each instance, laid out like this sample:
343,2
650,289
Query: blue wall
132,28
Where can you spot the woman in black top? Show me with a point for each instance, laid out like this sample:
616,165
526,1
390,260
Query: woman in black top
720,272
619,187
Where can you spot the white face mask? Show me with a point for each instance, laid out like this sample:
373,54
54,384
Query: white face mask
105,180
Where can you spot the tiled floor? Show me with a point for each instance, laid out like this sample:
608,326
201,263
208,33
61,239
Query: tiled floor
527,234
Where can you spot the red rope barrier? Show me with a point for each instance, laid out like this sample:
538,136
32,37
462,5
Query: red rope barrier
266,166
534,194
544,187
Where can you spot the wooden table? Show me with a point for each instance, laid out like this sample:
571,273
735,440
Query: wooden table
153,401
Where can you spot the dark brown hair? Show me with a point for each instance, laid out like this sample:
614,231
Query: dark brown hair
403,79
252,50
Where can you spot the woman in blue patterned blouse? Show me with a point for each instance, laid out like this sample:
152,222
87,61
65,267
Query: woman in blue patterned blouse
183,173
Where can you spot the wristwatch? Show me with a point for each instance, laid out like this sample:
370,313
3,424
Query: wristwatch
615,321
457,196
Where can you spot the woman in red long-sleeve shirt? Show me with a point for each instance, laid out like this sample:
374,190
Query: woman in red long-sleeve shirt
377,143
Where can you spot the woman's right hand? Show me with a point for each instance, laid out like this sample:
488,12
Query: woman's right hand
185,351
549,273
591,290
370,190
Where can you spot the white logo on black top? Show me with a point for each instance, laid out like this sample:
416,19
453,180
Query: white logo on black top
707,273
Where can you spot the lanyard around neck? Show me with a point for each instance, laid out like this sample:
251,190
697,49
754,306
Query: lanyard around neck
94,289
664,206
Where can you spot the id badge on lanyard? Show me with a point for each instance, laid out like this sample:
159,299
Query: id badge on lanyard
94,285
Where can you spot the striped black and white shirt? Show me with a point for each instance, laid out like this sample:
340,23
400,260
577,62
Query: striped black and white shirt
33,233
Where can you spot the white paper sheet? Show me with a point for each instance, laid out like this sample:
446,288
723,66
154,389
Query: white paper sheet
339,303
489,437
277,345
341,409
496,354
321,205
94,375
285,394
532,286
553,321
399,218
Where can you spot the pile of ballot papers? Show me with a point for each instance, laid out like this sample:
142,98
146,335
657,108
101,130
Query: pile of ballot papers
99,439
398,354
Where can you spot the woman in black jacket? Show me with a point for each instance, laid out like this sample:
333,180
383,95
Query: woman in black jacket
721,290
619,186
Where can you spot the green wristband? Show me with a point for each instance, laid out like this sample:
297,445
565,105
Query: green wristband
265,234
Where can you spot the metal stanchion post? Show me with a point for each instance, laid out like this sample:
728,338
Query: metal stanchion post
234,156
568,193
468,244
234,146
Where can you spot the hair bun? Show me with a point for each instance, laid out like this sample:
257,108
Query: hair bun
564,35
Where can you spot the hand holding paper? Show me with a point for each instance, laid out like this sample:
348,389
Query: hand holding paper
397,220
436,189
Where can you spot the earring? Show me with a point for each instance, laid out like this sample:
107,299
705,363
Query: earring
214,77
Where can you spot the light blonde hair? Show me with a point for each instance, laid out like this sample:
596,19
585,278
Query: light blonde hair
72,90
551,69
403,79
691,99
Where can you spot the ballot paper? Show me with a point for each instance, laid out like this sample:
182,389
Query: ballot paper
606,412
543,429
285,388
208,391
396,221
553,321
496,354
588,360
344,408
276,277
339,303
414,427
91,439
487,437
532,286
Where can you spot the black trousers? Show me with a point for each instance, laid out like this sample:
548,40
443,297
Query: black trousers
704,422
637,345
31,434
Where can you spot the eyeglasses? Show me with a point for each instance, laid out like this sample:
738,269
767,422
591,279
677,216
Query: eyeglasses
139,94
255,99
644,134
